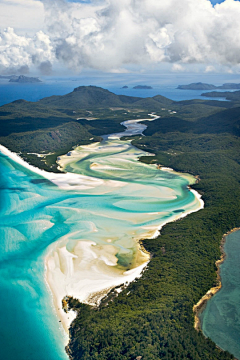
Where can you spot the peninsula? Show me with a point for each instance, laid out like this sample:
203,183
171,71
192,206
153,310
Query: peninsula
228,95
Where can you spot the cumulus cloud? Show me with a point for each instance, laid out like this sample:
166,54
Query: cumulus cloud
109,35
177,68
45,67
210,68
21,52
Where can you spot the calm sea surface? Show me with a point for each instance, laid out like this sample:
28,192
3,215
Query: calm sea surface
33,92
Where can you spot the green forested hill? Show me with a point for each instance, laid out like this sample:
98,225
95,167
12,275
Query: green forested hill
224,121
95,97
57,123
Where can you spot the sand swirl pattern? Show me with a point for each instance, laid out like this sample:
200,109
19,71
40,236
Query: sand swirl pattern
79,231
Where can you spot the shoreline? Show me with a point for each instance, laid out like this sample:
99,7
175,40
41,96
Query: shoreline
94,298
103,279
202,303
87,295
64,181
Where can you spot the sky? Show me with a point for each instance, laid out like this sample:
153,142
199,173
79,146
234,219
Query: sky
50,37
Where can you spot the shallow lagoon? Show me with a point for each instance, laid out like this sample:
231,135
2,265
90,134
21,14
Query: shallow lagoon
85,226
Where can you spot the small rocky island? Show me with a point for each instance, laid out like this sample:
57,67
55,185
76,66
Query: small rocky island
24,79
125,87
145,87
203,86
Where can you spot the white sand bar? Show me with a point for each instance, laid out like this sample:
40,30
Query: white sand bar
123,202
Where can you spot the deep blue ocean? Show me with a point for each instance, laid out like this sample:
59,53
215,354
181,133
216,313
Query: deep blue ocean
61,86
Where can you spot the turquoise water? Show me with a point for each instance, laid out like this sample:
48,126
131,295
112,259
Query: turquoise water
221,318
114,201
29,327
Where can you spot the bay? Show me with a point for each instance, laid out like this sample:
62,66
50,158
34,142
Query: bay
62,227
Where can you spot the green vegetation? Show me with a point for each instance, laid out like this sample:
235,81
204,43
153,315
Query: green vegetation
57,123
153,316
155,320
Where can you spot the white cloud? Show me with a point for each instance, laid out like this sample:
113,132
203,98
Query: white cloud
177,68
17,51
25,16
119,71
109,35
210,68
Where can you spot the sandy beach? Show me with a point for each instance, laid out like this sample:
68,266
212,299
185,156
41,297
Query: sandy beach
88,270
67,181
88,273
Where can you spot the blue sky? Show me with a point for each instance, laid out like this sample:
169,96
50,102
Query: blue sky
214,2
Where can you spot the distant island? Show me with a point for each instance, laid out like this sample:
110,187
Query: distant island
125,87
24,79
203,86
145,87
197,86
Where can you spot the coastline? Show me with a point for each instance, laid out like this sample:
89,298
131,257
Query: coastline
65,181
104,278
88,295
202,303
106,273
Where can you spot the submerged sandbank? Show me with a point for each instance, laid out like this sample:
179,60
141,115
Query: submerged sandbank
89,271
67,181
